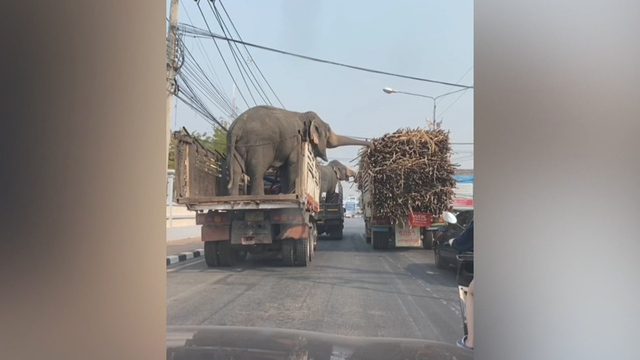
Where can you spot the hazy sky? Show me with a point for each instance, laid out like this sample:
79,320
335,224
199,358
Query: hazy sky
425,38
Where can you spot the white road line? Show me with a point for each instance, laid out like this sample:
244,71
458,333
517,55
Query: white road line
184,266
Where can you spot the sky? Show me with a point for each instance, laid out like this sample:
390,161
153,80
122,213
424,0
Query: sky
426,38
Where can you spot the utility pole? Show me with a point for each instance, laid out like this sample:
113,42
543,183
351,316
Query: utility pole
172,66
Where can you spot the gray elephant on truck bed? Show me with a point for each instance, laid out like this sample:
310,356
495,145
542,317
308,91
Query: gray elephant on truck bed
265,136
330,174
330,220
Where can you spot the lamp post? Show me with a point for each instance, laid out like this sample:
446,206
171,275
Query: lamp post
392,91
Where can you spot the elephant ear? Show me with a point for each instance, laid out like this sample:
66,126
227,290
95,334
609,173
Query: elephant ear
337,171
314,135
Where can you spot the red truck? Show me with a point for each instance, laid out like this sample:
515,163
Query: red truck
234,226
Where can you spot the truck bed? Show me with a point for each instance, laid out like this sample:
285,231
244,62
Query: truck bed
278,201
199,183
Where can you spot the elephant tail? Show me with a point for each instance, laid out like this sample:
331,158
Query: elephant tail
233,161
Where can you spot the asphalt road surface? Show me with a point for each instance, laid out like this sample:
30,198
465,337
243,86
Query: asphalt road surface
348,289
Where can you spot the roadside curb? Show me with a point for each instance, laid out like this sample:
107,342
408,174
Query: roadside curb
173,259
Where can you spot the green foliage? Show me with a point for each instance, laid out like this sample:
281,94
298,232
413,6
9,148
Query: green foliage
216,141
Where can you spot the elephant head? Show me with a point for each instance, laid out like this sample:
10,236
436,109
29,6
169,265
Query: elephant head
343,172
323,138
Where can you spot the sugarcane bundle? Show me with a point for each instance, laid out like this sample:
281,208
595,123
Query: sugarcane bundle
410,171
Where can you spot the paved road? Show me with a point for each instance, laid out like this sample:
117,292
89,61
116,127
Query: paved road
347,290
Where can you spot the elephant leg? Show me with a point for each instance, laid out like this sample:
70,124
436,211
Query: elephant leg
236,173
283,178
290,175
257,164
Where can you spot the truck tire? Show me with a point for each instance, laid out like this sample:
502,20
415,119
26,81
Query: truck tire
287,252
427,241
227,254
303,252
211,253
440,264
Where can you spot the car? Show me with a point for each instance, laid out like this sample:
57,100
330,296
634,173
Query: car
444,255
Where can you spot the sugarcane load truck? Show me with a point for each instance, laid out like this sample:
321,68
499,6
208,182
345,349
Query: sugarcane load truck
234,226
406,183
417,230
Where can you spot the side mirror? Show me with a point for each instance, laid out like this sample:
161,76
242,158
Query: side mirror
449,217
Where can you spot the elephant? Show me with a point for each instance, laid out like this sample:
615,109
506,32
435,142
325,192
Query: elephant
264,136
330,174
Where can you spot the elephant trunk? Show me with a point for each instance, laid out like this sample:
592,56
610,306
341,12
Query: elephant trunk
336,140
351,173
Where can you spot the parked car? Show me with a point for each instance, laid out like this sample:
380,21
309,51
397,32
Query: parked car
444,255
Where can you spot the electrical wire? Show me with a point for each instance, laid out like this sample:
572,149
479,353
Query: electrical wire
252,77
202,33
457,82
249,53
189,73
235,56
223,59
202,49
455,101
189,78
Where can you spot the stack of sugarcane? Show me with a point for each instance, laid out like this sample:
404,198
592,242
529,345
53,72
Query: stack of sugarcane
411,171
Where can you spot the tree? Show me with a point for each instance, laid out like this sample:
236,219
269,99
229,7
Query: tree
216,141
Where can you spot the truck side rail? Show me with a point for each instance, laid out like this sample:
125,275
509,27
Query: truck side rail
198,170
200,184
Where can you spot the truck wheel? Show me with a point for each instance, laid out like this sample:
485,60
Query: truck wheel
287,252
427,242
440,264
302,252
211,253
227,254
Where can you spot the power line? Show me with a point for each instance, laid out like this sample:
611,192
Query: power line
202,49
457,82
222,56
455,101
200,32
247,49
189,95
234,55
247,69
186,71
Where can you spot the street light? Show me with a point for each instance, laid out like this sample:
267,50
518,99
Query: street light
393,91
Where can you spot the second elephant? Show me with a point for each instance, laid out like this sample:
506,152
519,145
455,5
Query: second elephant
331,174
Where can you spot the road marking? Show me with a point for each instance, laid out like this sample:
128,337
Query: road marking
184,266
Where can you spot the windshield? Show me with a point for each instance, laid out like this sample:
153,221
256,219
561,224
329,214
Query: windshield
257,235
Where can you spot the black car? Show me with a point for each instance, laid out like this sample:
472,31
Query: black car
444,255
